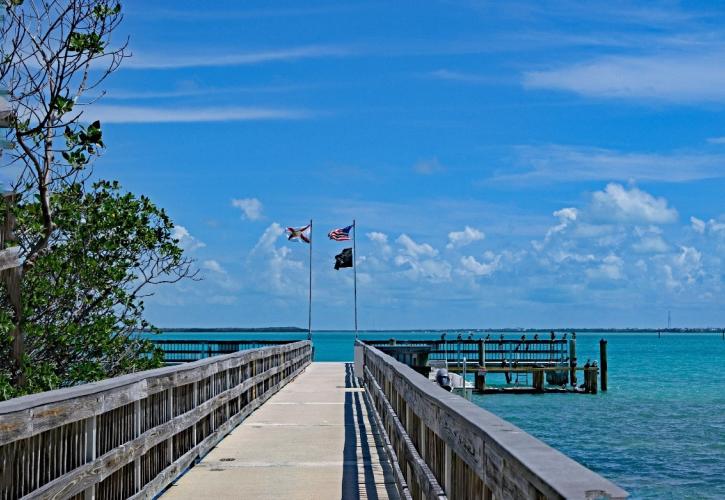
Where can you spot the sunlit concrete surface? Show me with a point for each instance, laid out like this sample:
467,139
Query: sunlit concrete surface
312,440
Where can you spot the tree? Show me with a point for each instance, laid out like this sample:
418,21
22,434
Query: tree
83,298
54,53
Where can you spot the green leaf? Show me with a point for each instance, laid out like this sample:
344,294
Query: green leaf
85,42
62,105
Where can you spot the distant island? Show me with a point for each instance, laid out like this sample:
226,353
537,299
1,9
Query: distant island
294,329
232,329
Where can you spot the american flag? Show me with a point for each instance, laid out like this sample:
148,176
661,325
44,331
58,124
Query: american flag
340,234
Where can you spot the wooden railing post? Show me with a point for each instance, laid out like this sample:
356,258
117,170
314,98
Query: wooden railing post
195,402
448,478
137,429
90,492
170,441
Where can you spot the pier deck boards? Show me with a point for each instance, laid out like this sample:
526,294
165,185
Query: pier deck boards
312,440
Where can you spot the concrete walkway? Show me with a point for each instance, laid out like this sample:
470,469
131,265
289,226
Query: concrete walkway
312,440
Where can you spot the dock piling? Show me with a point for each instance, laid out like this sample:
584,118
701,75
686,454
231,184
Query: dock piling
572,359
480,381
538,377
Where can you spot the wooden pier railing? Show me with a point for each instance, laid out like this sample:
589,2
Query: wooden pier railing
540,352
186,350
131,436
446,447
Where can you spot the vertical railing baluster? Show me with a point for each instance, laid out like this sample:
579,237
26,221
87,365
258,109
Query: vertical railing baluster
90,451
137,432
170,441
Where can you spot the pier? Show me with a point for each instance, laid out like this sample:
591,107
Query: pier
313,439
538,365
270,423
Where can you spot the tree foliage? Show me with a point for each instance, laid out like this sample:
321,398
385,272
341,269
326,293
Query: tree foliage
83,298
89,253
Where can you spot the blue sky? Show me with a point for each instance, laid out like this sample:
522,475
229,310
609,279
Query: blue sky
508,163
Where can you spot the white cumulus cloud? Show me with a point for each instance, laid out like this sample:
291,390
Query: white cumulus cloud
698,225
213,266
458,239
273,268
610,268
251,207
380,239
477,268
186,240
631,205
413,249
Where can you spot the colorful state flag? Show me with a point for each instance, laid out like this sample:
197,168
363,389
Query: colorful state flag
343,259
303,233
342,234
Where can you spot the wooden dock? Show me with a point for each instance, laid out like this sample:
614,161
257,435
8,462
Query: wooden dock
313,439
268,423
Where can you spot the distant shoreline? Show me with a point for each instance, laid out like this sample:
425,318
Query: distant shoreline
294,329
231,329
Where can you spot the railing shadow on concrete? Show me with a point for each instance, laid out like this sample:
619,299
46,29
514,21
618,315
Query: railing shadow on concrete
131,436
361,437
443,446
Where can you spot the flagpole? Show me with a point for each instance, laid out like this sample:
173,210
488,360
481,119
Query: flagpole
309,310
354,268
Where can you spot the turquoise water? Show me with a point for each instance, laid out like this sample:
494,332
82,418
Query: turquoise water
659,432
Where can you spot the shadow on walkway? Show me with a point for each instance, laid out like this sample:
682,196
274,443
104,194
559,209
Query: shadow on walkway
366,472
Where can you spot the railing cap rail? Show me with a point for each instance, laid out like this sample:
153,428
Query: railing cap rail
83,390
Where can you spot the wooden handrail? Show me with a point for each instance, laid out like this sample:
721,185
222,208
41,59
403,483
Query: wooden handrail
470,452
133,435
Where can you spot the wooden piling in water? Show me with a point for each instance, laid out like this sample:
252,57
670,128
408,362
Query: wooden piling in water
572,359
538,377
480,381
603,363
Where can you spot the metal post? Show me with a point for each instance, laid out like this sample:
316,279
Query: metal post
354,268
309,310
